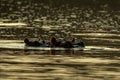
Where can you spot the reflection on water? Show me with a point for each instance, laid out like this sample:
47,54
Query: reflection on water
98,61
45,65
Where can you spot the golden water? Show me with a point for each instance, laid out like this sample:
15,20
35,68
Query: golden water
100,60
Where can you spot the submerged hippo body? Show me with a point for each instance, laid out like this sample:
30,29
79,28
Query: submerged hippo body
35,43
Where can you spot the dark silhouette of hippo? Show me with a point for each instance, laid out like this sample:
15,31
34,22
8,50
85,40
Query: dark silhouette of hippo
65,44
32,43
54,43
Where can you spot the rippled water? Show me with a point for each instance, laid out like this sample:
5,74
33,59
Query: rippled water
100,60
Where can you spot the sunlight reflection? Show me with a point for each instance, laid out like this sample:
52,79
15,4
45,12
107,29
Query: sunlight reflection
96,34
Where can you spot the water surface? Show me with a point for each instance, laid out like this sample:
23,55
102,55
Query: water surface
100,60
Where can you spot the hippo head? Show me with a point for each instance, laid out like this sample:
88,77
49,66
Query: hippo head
53,41
26,40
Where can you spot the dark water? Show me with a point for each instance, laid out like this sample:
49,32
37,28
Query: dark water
100,60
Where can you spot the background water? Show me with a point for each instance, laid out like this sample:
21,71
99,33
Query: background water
100,60
95,22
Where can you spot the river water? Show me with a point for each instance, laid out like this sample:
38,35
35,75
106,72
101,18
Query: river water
100,60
